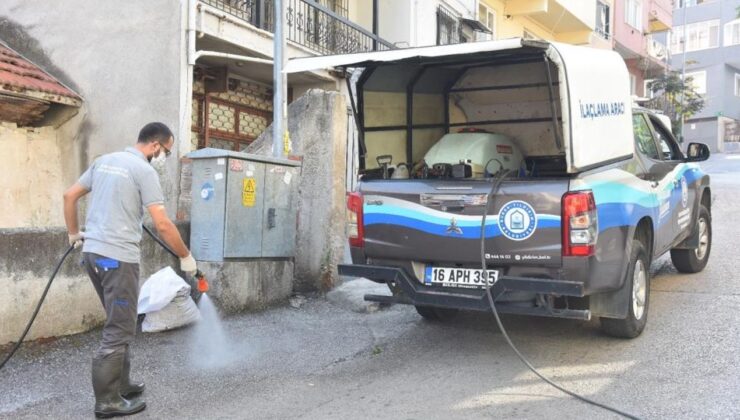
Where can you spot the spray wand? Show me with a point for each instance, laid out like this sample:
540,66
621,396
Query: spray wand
201,281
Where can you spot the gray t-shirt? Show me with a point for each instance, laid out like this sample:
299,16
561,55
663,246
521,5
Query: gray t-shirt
122,185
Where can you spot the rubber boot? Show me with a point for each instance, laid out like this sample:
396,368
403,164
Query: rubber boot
106,379
129,388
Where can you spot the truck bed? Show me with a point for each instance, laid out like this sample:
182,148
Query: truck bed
438,222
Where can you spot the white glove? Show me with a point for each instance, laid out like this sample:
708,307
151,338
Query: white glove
188,265
76,239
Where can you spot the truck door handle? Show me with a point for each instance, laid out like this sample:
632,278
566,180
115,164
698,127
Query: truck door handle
453,208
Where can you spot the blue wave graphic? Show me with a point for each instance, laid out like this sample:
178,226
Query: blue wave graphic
468,231
618,204
621,214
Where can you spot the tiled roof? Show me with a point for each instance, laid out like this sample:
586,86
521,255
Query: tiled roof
22,76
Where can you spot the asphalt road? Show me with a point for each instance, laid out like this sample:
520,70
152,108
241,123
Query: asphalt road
323,361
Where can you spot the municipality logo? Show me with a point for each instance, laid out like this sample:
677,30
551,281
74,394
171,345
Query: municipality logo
517,220
454,228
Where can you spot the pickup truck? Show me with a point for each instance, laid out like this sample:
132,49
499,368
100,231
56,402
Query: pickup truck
589,189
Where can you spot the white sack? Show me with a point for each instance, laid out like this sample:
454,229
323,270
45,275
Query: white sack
180,312
159,290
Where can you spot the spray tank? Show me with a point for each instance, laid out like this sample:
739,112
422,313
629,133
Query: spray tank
486,153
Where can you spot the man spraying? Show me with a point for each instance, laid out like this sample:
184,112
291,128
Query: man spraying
122,185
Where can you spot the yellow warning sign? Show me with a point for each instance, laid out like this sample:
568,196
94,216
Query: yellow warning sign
249,192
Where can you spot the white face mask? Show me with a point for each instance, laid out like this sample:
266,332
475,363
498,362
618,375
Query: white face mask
158,161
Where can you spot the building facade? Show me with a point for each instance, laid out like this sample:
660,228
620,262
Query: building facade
36,111
568,21
202,67
705,41
638,31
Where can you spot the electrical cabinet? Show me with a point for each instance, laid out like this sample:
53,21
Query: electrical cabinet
243,205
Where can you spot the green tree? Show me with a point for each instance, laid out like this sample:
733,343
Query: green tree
676,98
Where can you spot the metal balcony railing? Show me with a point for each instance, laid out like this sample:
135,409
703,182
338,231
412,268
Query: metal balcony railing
308,23
603,32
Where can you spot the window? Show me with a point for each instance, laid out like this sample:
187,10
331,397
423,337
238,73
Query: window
648,92
644,137
669,150
633,14
448,28
698,36
339,7
689,3
698,81
732,33
487,17
737,84
602,20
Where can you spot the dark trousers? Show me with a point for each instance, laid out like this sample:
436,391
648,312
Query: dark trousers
117,285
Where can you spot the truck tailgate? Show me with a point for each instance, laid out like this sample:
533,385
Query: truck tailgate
439,221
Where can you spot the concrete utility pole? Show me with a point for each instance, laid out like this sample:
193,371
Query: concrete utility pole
375,24
280,139
683,67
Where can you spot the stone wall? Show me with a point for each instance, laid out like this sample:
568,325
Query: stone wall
27,260
124,58
32,184
317,122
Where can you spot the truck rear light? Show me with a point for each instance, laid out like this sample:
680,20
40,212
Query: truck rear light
582,221
355,228
580,224
580,236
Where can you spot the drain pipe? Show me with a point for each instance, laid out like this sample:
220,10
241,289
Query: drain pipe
187,79
192,10
187,104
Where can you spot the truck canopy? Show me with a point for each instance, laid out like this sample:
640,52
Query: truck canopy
551,99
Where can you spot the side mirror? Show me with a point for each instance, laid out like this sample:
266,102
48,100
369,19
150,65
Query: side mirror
697,152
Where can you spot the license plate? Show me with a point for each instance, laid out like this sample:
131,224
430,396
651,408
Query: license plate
459,277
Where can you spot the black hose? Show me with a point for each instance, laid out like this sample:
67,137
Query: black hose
494,189
195,292
159,241
38,307
48,285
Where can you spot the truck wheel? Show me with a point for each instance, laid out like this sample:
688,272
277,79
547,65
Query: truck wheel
431,313
694,260
638,281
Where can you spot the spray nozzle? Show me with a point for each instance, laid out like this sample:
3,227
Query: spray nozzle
202,282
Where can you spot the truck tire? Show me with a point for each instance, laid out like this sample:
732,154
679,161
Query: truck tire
694,260
638,281
431,313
